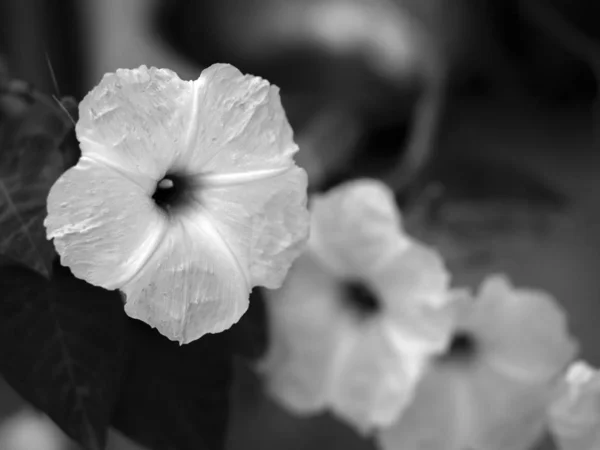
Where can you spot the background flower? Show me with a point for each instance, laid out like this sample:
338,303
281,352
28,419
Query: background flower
491,388
575,415
360,313
185,197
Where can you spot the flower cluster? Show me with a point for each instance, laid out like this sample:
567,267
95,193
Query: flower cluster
187,196
419,365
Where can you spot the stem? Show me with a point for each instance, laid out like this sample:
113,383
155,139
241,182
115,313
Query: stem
422,138
574,41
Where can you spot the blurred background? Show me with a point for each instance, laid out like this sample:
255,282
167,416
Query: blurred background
481,114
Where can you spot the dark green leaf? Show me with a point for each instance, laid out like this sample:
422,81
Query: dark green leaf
62,348
30,162
175,397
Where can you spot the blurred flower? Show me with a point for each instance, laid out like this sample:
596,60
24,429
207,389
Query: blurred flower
492,387
185,197
575,415
31,430
360,313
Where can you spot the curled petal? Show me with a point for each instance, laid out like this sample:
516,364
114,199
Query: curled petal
523,332
136,121
575,414
356,228
104,226
265,222
239,126
308,325
192,284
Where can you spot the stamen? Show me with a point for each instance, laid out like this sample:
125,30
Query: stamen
165,183
172,192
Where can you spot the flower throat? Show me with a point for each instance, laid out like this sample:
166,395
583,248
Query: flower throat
171,192
361,298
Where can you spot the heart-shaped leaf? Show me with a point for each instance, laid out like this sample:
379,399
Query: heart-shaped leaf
62,348
175,397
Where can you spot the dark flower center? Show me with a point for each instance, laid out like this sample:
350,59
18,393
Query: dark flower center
171,192
463,347
361,298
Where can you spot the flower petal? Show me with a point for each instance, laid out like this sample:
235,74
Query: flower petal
308,326
575,415
510,414
377,378
104,226
413,285
265,223
439,418
136,121
191,285
356,227
455,409
240,129
523,332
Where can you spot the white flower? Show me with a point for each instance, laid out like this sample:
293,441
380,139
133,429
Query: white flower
360,313
29,429
575,415
185,197
491,389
